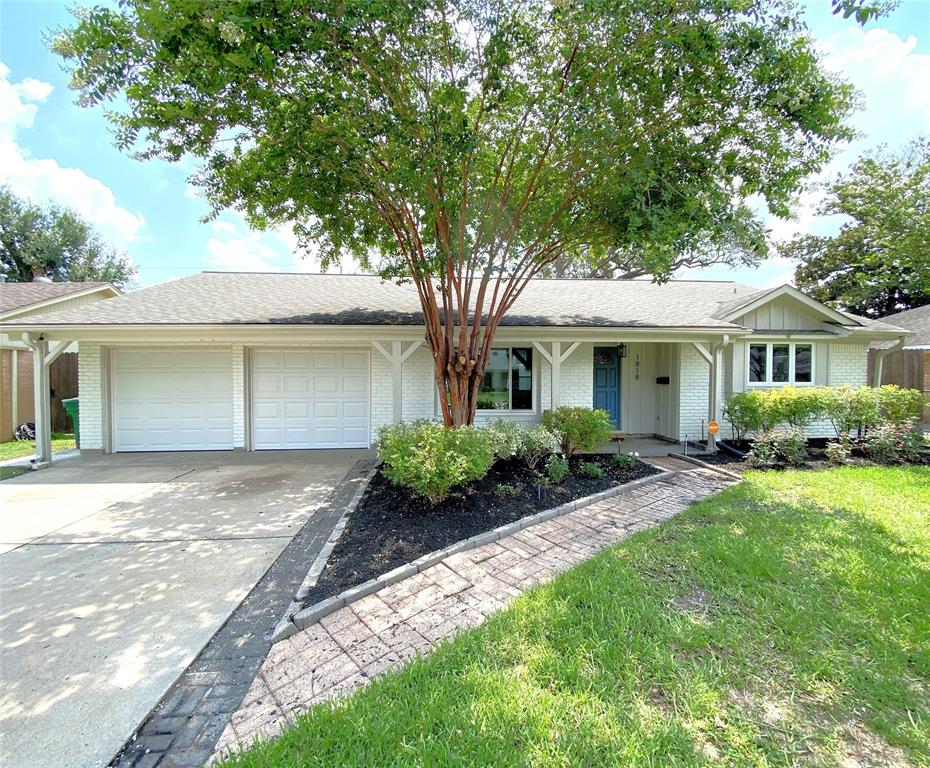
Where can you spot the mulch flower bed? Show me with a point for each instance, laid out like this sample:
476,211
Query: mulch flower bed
817,458
391,526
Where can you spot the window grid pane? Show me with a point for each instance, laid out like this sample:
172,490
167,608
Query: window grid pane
780,363
494,392
803,359
757,362
521,379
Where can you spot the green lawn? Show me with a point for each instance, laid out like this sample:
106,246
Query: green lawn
785,621
15,449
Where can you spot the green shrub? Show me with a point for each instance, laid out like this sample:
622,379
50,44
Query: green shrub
838,452
509,491
592,469
579,429
430,459
626,461
536,444
851,410
794,406
556,469
744,412
505,437
894,443
778,447
897,404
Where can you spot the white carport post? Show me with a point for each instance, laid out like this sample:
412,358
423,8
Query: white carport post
397,357
43,402
42,359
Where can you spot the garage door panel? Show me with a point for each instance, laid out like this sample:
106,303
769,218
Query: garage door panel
172,399
300,399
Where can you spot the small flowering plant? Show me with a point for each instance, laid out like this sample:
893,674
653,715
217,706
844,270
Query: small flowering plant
626,460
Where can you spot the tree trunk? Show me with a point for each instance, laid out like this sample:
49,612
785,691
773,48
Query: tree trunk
458,379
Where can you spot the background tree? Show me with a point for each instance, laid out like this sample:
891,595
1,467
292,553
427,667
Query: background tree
879,261
470,145
863,10
56,243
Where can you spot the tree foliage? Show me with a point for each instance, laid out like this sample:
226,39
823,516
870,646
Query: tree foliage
862,10
879,261
56,243
470,145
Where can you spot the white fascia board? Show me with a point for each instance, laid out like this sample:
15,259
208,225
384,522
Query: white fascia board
253,334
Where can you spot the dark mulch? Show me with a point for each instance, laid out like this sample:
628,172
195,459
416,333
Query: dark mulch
391,526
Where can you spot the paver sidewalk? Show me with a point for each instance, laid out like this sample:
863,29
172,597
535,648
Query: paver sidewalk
350,647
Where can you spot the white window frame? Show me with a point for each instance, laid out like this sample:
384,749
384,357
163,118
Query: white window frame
769,369
533,384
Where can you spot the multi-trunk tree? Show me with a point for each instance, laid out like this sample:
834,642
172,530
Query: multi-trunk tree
471,145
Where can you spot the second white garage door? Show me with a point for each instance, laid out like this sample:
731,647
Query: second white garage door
309,398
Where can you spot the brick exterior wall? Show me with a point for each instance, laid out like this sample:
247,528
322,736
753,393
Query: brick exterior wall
239,395
91,392
577,380
419,392
692,406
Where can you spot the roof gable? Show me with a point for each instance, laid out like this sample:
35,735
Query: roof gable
22,299
784,296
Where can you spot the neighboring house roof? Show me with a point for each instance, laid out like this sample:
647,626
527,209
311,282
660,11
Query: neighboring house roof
25,299
917,321
230,298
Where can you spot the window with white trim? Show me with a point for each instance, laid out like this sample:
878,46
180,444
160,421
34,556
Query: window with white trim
780,362
508,380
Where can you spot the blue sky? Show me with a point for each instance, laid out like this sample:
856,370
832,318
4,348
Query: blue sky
51,149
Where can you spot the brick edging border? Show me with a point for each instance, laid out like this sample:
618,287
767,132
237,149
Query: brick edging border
311,615
706,465
283,628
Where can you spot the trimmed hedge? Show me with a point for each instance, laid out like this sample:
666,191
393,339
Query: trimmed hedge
846,408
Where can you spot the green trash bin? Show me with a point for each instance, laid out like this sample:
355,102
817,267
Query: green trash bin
71,406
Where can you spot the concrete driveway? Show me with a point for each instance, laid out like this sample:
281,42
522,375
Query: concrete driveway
114,573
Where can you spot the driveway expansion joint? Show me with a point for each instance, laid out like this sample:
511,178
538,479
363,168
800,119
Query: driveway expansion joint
183,728
356,642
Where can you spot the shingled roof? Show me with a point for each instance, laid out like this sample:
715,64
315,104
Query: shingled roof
248,298
217,298
917,321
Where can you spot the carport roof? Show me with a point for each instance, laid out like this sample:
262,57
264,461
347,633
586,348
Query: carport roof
249,299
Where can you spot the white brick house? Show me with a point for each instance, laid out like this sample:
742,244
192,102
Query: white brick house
244,361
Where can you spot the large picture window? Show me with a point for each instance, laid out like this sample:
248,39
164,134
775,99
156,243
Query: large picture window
781,363
508,380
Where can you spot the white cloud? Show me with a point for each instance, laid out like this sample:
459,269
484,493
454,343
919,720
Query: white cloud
235,248
894,86
44,180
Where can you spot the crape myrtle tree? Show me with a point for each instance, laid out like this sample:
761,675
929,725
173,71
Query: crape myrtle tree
470,145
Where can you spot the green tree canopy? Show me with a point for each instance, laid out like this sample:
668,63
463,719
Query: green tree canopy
469,145
55,242
879,261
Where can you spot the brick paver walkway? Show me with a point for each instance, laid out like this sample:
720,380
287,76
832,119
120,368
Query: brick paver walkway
348,648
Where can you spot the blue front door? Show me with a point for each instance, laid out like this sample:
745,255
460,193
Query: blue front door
607,382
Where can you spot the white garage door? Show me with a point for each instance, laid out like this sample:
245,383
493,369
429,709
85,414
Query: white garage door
172,400
309,398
